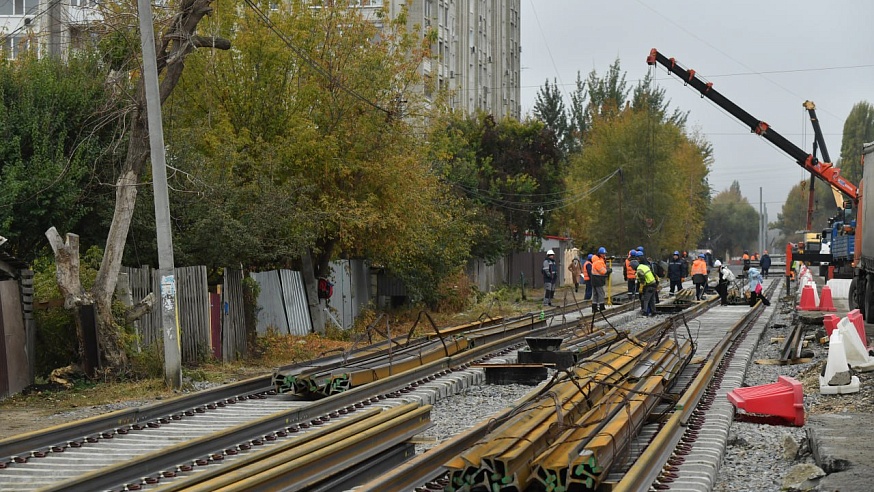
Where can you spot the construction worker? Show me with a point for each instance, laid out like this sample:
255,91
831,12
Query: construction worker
641,257
765,263
699,275
576,269
756,288
722,284
648,285
550,277
630,274
676,272
599,279
587,277
746,261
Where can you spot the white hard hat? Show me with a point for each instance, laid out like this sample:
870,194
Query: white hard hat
550,252
717,263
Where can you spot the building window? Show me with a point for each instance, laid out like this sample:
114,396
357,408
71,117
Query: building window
18,7
14,46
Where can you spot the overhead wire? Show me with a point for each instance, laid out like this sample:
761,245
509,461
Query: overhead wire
547,206
312,63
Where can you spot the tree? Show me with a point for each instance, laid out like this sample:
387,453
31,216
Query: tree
660,197
176,38
509,172
732,224
578,117
319,106
57,149
549,108
793,216
858,129
608,94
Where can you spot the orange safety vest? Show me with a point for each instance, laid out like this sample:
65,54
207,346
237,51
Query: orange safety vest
586,273
746,257
629,272
598,266
699,266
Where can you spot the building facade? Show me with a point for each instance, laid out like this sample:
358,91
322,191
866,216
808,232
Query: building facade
476,50
50,27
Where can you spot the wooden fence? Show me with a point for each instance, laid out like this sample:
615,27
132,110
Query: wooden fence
193,311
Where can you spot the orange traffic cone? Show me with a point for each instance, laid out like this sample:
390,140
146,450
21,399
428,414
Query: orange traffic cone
785,399
855,317
808,302
830,322
825,300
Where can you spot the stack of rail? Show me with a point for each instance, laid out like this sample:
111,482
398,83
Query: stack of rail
575,431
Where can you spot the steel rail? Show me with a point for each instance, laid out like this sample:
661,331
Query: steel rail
133,470
568,460
58,436
323,462
431,465
298,464
649,464
585,453
370,414
502,458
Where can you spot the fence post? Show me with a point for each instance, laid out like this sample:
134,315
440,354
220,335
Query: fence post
522,284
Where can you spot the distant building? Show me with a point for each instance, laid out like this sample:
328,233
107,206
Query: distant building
49,26
476,50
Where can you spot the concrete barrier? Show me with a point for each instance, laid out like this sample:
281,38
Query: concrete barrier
840,288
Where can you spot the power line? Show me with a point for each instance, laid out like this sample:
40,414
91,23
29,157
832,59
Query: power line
547,206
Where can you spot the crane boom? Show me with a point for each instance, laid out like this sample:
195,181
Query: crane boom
820,141
825,171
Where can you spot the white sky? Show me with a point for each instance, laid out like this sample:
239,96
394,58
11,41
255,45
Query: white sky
768,57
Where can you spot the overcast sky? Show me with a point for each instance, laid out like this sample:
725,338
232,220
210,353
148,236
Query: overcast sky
768,57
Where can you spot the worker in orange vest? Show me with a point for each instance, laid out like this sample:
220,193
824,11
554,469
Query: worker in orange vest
699,275
630,273
599,279
587,277
746,260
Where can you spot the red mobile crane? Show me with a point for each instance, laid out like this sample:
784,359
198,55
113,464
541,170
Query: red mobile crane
862,288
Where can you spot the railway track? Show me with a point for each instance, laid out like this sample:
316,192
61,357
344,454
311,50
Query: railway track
625,441
148,446
235,437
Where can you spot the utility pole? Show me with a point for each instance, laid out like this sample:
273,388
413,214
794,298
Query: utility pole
169,323
761,219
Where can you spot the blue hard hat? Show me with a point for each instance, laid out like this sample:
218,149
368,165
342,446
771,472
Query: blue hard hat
640,248
590,256
702,255
677,253
602,250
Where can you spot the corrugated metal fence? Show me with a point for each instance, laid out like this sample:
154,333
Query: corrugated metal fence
282,303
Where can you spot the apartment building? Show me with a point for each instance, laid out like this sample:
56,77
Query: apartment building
49,26
476,52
